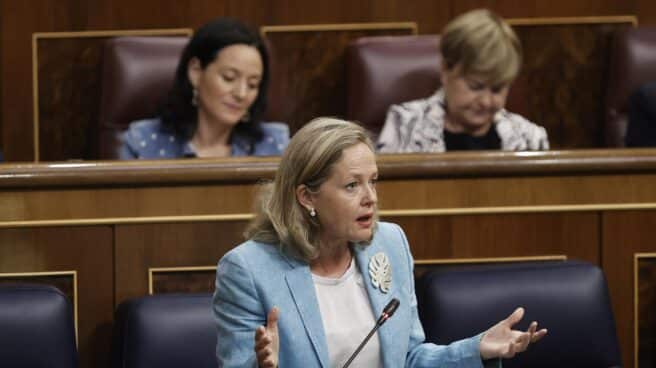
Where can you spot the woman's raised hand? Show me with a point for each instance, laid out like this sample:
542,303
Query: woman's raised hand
501,341
267,343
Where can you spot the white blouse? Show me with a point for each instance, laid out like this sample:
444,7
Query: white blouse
347,318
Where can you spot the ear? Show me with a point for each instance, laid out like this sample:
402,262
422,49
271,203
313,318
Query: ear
304,197
194,71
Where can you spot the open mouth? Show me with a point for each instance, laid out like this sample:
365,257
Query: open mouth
365,220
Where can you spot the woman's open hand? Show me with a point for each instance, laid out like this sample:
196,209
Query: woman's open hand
501,341
267,343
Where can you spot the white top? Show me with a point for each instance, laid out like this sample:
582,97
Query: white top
347,318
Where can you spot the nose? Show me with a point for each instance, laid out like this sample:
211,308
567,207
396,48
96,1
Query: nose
240,89
370,195
487,98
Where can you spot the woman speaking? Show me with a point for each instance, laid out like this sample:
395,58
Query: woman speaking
319,268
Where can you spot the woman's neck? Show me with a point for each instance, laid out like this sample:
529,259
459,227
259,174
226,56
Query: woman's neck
211,139
333,261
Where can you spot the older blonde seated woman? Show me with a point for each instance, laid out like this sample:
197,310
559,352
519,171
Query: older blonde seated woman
481,56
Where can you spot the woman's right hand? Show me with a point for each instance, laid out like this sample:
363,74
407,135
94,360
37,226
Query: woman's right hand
266,341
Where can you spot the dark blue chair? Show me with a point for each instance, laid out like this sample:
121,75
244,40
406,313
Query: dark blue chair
165,331
570,299
36,328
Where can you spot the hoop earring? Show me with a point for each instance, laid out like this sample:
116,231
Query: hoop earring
194,97
313,213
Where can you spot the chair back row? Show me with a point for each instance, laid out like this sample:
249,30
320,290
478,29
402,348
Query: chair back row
569,298
381,71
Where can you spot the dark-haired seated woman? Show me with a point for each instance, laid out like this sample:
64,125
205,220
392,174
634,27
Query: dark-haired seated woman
481,56
216,102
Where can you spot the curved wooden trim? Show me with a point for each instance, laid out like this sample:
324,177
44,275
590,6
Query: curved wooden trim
255,169
338,27
116,33
424,262
383,213
573,20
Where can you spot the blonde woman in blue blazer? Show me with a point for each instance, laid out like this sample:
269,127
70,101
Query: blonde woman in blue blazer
319,268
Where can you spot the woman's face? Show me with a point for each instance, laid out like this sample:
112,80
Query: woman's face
471,102
229,85
346,201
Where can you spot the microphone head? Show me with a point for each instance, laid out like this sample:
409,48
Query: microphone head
391,307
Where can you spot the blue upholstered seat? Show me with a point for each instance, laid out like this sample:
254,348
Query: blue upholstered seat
165,331
570,299
36,328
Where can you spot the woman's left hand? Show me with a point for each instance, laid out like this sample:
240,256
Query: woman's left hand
501,341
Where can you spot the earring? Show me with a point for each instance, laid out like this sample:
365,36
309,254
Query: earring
313,213
246,117
194,97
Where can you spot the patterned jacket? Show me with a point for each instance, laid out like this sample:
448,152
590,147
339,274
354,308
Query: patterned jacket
418,126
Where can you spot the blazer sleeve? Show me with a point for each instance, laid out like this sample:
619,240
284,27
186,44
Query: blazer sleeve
462,354
237,313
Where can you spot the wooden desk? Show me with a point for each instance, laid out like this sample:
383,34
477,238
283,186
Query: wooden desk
126,227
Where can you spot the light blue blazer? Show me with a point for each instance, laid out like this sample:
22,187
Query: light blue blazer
254,277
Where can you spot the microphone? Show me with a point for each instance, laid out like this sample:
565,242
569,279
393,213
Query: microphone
388,312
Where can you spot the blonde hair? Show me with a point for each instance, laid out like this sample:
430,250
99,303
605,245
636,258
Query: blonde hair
308,159
481,42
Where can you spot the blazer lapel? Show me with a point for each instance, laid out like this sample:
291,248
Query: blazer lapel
377,298
299,281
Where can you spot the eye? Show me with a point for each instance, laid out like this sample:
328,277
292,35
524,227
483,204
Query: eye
351,186
228,77
373,182
475,86
498,89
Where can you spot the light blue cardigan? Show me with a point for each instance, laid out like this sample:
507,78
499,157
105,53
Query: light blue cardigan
254,277
149,139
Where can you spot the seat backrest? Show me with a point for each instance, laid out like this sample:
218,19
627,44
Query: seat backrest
633,62
570,299
136,75
165,331
36,328
387,70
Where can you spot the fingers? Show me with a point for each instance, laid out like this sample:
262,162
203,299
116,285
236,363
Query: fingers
272,320
265,358
538,335
262,339
266,341
515,317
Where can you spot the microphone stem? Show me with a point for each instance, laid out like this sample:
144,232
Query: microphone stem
363,343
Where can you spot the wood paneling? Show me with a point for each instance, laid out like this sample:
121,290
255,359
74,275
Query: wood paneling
112,222
624,234
563,80
308,70
68,85
86,250
140,247
20,19
645,294
574,235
